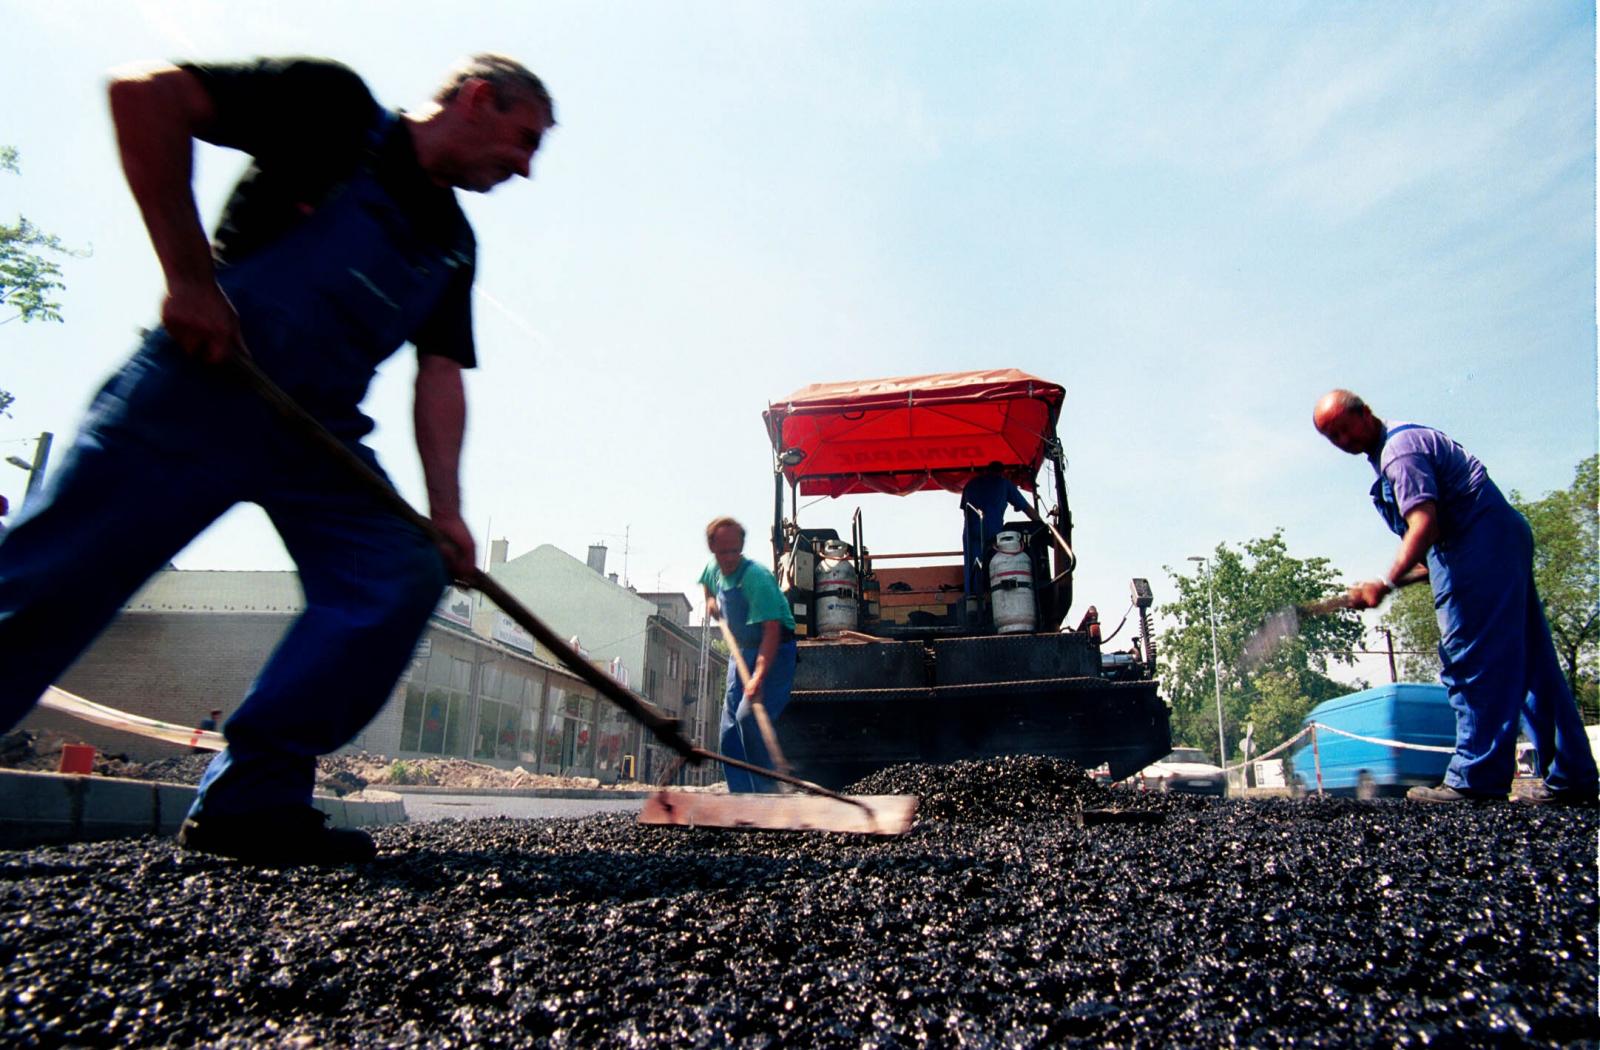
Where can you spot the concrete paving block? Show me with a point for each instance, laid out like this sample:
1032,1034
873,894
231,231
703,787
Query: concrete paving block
172,805
38,807
113,808
46,808
334,808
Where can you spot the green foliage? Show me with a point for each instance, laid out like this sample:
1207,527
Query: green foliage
400,772
1277,709
28,279
1566,568
1251,584
1415,626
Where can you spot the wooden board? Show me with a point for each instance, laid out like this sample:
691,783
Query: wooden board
890,814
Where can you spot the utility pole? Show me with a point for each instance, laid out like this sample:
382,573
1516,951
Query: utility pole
41,456
1394,675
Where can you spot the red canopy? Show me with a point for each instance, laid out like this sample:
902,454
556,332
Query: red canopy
912,433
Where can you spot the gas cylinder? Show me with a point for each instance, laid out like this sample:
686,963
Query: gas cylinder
1011,585
836,589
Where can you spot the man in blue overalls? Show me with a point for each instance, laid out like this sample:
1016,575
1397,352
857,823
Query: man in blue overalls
984,501
1500,665
342,241
746,596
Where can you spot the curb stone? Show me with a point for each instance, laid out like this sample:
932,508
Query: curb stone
38,809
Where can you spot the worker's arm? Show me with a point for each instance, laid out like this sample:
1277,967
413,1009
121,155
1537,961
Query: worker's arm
440,417
713,610
158,112
771,630
1422,529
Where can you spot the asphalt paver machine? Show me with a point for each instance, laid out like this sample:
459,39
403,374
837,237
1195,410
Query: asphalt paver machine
902,657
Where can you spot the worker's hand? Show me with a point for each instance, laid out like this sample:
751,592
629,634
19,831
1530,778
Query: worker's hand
752,692
1368,594
461,553
202,322
713,610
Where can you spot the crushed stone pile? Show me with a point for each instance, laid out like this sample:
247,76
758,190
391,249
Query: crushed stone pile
997,921
1014,788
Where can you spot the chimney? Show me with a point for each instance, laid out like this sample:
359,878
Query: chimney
497,552
612,577
597,558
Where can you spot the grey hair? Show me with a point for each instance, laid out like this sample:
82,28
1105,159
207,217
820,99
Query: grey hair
511,80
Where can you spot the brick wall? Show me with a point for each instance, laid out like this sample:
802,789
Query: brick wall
172,666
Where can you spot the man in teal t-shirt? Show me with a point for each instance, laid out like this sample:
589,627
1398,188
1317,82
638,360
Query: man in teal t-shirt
746,596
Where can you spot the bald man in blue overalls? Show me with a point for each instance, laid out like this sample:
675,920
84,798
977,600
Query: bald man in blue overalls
342,241
1474,548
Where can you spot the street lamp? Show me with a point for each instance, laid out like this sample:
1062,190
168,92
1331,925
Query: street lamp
41,455
1216,666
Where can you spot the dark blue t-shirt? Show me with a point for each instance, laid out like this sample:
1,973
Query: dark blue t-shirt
990,494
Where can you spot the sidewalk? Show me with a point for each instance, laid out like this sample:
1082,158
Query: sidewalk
38,809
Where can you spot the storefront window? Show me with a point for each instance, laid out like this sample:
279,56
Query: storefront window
608,749
550,755
528,737
505,744
411,717
434,708
591,716
455,725
488,728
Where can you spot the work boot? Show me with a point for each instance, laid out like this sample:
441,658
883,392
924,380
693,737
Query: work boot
293,835
1446,793
1542,795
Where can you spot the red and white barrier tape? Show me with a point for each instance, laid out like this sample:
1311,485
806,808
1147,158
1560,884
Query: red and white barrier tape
1401,745
63,701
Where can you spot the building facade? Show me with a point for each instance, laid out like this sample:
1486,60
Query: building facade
478,686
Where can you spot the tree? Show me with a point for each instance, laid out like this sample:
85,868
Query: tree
1410,615
1278,708
1566,569
1250,585
28,279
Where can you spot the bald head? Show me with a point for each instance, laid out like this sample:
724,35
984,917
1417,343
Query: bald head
1346,421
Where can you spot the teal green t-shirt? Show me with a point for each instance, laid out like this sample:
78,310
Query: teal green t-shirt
760,587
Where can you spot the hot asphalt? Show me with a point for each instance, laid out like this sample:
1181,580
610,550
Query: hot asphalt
997,921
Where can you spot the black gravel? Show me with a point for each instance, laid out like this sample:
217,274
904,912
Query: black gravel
998,921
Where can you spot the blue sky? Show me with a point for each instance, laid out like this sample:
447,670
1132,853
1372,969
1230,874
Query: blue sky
1195,217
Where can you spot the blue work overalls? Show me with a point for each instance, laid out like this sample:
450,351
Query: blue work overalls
741,735
170,444
984,502
1500,665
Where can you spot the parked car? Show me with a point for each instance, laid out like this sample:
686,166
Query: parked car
1185,769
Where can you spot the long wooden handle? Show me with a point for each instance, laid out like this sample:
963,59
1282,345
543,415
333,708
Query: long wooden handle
769,735
661,725
1324,606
